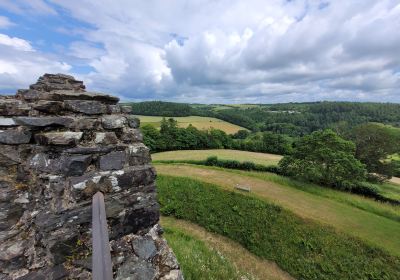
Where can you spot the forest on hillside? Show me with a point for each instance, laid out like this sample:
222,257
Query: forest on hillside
293,119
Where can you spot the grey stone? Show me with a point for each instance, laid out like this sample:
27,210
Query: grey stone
48,106
85,107
7,122
137,154
9,155
113,122
131,135
126,109
43,163
174,274
105,138
89,150
136,270
112,161
11,250
51,82
144,247
58,138
64,95
12,107
16,136
113,109
136,176
85,124
133,122
43,121
76,165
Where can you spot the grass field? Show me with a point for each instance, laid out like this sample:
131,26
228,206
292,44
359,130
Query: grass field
304,248
201,123
258,158
218,254
374,222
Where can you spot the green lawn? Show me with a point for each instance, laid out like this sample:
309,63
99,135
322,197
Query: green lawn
258,158
201,123
372,221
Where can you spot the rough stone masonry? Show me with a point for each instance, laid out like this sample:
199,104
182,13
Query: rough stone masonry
58,146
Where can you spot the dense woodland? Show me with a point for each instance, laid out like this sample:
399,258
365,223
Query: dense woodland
293,119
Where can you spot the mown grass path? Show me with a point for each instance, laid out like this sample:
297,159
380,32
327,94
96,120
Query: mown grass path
241,258
375,230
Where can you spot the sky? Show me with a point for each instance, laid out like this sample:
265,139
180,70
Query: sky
207,51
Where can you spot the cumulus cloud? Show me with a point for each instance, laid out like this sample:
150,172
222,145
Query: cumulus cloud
21,65
238,51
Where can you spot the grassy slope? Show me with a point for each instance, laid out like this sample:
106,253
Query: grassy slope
301,247
198,122
243,262
328,207
259,158
197,260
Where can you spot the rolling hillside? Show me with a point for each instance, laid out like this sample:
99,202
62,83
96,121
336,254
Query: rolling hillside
201,123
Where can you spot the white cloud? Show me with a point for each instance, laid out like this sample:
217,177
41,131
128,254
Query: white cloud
16,43
238,51
5,22
21,65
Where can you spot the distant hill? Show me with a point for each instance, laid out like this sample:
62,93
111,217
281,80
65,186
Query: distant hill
295,119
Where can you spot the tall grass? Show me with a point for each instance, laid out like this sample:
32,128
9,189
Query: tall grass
197,260
305,249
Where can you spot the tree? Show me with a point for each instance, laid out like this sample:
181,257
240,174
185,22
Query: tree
375,143
151,137
324,158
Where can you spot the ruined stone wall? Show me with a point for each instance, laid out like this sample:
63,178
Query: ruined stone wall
58,146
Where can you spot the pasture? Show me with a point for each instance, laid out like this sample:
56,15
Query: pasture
258,158
374,222
201,123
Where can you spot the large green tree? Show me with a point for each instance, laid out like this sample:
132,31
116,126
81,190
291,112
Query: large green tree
324,158
375,143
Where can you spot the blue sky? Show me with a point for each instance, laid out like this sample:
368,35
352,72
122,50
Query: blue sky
207,51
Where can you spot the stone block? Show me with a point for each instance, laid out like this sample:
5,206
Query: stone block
112,161
48,106
105,138
75,165
131,135
85,124
16,136
64,95
137,154
126,109
44,121
113,122
133,121
58,138
85,107
13,107
113,109
7,122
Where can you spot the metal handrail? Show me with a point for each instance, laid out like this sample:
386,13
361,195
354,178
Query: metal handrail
101,256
